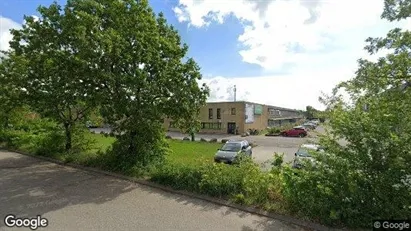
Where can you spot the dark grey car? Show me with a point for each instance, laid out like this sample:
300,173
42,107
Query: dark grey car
230,151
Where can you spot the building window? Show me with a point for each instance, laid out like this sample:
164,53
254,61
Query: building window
215,126
218,113
275,112
233,111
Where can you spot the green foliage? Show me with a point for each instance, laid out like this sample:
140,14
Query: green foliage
274,130
369,177
143,75
147,146
278,160
243,182
41,136
49,58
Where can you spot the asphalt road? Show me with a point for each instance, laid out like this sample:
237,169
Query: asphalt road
72,199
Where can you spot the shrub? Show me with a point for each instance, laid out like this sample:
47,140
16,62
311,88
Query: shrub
224,141
203,140
145,150
274,130
213,140
186,138
278,160
168,137
242,182
221,180
178,176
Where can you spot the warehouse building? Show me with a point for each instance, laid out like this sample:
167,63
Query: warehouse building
240,116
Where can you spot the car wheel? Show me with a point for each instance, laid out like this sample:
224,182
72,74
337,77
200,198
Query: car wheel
301,135
285,134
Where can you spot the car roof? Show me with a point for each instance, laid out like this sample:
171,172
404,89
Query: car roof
299,127
310,146
238,141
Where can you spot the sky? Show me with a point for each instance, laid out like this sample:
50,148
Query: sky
277,52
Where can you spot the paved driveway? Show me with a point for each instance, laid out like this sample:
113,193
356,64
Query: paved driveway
72,199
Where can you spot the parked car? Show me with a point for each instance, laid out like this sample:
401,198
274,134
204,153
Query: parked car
89,124
298,131
316,122
309,125
303,154
231,150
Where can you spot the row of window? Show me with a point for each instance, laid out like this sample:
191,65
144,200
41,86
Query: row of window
216,126
204,125
210,113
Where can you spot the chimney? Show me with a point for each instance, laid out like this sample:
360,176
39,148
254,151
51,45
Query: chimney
235,93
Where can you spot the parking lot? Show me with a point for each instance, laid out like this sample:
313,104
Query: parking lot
266,145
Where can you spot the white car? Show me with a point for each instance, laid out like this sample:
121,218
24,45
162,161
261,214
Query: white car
303,154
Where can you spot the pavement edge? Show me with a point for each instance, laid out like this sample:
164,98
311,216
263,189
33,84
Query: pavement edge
288,219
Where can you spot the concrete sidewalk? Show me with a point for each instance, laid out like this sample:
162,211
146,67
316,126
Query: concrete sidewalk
73,199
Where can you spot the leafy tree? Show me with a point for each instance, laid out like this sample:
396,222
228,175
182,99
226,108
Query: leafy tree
10,97
369,178
310,112
144,73
57,82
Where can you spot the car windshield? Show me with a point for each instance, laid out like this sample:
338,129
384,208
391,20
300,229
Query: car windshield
303,152
231,147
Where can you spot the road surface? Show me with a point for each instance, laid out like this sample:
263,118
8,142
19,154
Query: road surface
72,199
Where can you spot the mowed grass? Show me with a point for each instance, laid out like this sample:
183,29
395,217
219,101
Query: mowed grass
187,152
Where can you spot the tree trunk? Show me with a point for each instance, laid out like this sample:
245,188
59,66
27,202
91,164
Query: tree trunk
67,127
6,122
192,136
132,146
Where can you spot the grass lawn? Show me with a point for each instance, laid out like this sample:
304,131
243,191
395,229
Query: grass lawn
182,151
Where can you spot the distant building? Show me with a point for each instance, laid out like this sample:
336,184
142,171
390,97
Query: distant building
240,116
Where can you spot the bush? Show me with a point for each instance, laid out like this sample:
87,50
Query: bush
203,140
224,141
178,176
143,150
213,140
274,130
242,182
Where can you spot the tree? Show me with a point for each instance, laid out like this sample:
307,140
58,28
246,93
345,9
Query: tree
369,178
10,97
310,112
57,82
144,73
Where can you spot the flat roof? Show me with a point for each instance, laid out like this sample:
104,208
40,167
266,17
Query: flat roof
270,106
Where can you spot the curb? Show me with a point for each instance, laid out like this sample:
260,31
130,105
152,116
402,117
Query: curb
288,219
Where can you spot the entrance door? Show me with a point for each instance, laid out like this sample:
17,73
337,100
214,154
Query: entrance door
231,128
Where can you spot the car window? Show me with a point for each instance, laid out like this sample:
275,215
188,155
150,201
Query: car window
231,147
303,152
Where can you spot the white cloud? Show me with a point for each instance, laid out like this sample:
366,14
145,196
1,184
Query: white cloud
320,39
5,25
291,91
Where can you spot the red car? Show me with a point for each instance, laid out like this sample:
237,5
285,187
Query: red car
296,132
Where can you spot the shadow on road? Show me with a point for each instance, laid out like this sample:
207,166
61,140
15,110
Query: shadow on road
263,223
30,187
